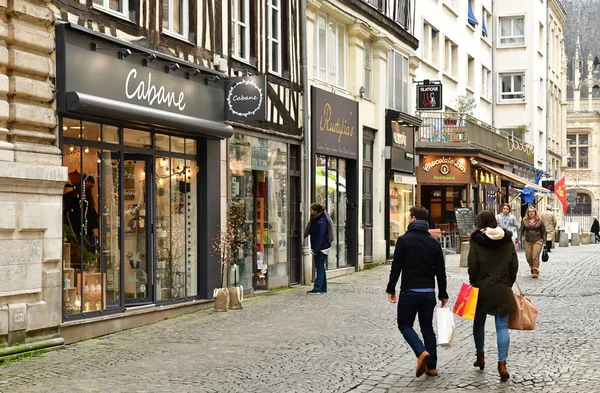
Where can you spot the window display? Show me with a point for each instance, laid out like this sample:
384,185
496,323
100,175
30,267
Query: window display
108,265
401,199
258,169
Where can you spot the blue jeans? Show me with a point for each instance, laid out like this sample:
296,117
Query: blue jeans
320,284
409,305
501,333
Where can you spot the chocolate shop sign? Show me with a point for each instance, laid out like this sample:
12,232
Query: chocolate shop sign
245,98
334,124
445,163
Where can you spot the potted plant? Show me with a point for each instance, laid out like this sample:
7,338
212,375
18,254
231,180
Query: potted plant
226,247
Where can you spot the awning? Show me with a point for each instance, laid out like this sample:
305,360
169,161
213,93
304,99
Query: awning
99,106
516,178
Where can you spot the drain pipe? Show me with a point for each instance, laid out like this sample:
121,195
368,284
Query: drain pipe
306,255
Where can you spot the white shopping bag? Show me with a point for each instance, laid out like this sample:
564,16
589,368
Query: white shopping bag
445,325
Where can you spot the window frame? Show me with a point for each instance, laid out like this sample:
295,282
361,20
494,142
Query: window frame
403,82
575,162
105,7
340,64
185,20
512,35
486,83
512,84
244,24
368,69
274,6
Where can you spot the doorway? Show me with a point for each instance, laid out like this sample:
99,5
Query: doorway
137,247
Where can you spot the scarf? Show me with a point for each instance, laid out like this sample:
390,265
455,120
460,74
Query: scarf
314,218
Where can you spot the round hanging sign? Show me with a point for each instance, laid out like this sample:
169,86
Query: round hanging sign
244,98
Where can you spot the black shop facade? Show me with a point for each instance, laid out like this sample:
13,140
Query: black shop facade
334,140
140,133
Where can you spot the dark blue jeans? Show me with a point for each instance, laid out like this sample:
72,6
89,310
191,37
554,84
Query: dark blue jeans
411,304
320,284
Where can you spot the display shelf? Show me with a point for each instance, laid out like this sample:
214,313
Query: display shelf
66,255
93,286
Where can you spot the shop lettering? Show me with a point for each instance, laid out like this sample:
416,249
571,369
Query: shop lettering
340,127
150,93
444,160
244,98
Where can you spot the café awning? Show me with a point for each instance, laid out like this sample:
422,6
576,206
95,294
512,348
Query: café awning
503,173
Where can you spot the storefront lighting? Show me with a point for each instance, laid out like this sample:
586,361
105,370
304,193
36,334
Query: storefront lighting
71,148
65,128
123,52
151,57
193,73
163,162
86,150
172,67
99,161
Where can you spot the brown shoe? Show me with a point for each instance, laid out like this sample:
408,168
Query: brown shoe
432,373
504,375
535,272
422,363
480,362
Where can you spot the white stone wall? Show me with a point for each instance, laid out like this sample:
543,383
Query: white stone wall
31,178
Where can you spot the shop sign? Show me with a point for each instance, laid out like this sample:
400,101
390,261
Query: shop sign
429,96
444,169
103,74
246,98
334,125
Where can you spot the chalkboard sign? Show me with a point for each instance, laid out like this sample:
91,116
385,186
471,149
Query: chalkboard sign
465,220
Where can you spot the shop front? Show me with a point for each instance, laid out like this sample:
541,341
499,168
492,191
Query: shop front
443,185
140,136
335,177
400,170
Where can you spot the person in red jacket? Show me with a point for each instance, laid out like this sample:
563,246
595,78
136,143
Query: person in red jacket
419,258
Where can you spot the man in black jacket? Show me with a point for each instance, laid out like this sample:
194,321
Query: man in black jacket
418,256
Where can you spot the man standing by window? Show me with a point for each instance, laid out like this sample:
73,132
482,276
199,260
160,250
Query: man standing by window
418,256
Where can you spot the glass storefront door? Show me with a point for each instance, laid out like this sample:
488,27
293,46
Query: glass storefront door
137,243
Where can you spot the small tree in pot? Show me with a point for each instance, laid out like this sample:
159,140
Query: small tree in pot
226,247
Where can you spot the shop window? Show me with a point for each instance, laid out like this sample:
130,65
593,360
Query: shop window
161,142
582,204
259,195
241,29
104,240
274,18
330,50
120,7
176,17
401,199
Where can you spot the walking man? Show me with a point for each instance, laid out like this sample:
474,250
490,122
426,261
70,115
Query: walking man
418,257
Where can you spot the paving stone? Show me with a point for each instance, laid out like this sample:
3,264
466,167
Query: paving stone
345,341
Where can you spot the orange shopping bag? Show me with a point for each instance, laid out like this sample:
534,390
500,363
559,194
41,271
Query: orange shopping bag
466,303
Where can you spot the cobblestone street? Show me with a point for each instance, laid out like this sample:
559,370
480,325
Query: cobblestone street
344,341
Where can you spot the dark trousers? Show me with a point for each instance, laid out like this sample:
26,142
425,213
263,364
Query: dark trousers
548,245
411,304
320,284
597,235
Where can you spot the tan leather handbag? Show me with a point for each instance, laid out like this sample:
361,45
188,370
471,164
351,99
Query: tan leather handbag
525,315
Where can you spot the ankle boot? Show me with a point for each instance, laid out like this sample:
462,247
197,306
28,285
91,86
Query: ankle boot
480,362
504,375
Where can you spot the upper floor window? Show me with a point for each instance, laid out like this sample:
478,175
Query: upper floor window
397,81
450,58
512,30
579,203
176,17
486,83
330,51
470,15
431,44
274,17
114,6
512,86
368,68
241,31
578,151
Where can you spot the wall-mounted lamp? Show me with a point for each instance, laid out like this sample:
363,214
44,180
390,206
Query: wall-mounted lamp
151,57
212,78
123,53
172,67
191,74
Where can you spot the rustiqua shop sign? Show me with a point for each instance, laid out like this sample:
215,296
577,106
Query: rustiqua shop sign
334,124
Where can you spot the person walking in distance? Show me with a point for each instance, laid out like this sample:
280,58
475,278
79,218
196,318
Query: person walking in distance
506,220
533,232
320,230
419,258
596,229
549,221
493,266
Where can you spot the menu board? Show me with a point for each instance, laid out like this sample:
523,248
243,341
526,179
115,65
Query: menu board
465,220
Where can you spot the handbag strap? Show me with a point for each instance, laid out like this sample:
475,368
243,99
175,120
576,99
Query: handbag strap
519,288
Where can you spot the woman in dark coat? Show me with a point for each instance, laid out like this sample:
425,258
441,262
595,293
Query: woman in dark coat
493,266
596,229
